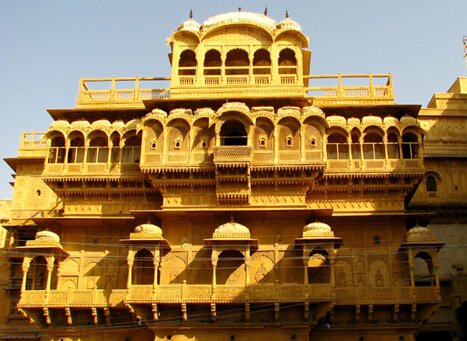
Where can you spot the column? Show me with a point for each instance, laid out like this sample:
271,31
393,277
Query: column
302,142
386,154
156,268
214,259
247,267
331,269
276,143
25,269
130,261
50,268
411,266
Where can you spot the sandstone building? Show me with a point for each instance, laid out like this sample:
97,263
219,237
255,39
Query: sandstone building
239,199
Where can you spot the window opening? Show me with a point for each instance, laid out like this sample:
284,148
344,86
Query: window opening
233,133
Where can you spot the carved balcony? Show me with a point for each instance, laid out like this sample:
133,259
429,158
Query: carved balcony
232,155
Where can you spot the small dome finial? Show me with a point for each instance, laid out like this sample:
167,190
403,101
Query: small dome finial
286,13
266,10
239,9
232,219
191,13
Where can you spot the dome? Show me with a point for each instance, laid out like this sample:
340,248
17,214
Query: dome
101,124
317,229
420,234
288,24
59,125
47,236
231,230
81,125
240,17
189,25
148,229
409,120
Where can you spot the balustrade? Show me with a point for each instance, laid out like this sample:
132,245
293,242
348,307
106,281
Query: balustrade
376,156
223,293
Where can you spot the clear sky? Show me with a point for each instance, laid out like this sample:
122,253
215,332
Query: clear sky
47,45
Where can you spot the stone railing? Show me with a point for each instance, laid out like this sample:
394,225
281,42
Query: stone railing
32,144
389,295
232,154
335,88
71,298
203,293
110,92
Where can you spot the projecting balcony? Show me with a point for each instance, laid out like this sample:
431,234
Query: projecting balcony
92,161
374,157
71,298
197,293
388,295
232,155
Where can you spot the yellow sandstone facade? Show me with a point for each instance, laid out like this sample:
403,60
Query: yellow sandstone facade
238,199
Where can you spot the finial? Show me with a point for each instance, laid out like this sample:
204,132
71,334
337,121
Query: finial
266,10
232,219
239,9
286,13
191,13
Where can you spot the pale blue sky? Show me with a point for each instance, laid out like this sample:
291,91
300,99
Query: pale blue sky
46,46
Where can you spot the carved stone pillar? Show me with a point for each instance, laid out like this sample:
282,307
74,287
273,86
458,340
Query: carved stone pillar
25,269
332,269
276,143
386,154
399,142
349,143
436,268
214,259
411,269
50,269
157,260
247,268
130,261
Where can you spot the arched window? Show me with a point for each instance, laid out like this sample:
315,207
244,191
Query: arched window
230,268
423,269
431,185
187,63
115,149
262,62
98,150
287,62
212,63
393,147
37,274
233,133
237,62
76,151
131,150
289,141
57,150
373,146
337,147
410,146
312,141
356,151
143,268
318,266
